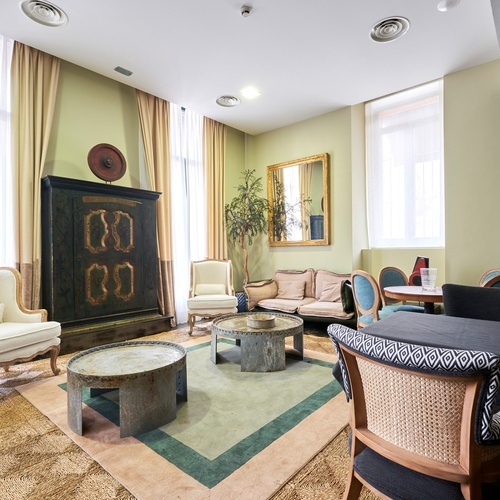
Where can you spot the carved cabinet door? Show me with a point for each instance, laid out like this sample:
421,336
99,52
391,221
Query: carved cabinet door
108,255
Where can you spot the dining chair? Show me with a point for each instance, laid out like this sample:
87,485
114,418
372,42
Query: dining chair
368,299
393,276
422,418
211,292
490,278
473,302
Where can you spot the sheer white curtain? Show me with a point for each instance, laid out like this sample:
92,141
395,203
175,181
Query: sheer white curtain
188,200
7,249
405,169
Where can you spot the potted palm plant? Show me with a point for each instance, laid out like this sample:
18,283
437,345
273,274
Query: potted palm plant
246,215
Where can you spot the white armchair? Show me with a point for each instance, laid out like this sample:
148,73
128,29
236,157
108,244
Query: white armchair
24,333
211,292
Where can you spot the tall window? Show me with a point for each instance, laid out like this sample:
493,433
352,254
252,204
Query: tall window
405,171
291,183
188,200
7,250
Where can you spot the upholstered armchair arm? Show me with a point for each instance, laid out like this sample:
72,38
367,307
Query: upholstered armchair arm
260,290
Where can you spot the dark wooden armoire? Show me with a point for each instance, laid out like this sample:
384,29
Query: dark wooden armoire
99,262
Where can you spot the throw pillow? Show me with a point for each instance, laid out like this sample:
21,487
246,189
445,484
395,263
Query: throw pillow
330,292
291,290
1,312
209,289
259,290
306,276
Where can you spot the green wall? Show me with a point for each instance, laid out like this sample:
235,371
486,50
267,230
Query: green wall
329,133
90,110
341,134
472,172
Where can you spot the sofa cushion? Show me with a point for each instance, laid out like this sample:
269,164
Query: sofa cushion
285,305
324,310
293,290
260,290
16,335
210,289
29,351
324,277
1,312
204,302
330,292
306,276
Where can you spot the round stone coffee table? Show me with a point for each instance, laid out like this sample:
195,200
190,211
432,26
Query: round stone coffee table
262,349
148,375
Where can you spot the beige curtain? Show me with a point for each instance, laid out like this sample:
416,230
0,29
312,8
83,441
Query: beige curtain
154,118
305,180
35,77
214,148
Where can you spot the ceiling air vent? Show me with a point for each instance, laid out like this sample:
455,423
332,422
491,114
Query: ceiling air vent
389,29
228,101
44,13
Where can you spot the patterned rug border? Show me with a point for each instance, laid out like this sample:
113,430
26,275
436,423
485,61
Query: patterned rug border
145,473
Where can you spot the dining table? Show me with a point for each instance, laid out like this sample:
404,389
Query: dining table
439,330
416,293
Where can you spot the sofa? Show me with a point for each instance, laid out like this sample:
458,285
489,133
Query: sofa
314,295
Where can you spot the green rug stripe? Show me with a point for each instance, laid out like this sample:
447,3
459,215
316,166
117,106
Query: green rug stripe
211,472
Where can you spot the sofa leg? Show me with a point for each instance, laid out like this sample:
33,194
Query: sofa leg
6,368
53,359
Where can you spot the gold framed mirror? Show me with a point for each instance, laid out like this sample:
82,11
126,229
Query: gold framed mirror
299,202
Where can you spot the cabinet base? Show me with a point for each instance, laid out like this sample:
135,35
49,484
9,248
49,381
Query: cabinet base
75,339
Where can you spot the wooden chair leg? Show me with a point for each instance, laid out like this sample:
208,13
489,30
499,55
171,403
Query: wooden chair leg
353,487
471,490
53,359
191,320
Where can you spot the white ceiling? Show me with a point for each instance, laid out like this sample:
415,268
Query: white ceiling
306,57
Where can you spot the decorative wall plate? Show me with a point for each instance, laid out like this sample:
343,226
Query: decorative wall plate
107,162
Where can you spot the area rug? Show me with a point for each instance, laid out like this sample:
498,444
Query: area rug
246,451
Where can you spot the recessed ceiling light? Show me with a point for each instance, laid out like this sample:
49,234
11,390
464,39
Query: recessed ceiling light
44,13
389,29
250,92
446,5
228,101
245,10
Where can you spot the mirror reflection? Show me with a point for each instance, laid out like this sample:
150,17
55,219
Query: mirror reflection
299,202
